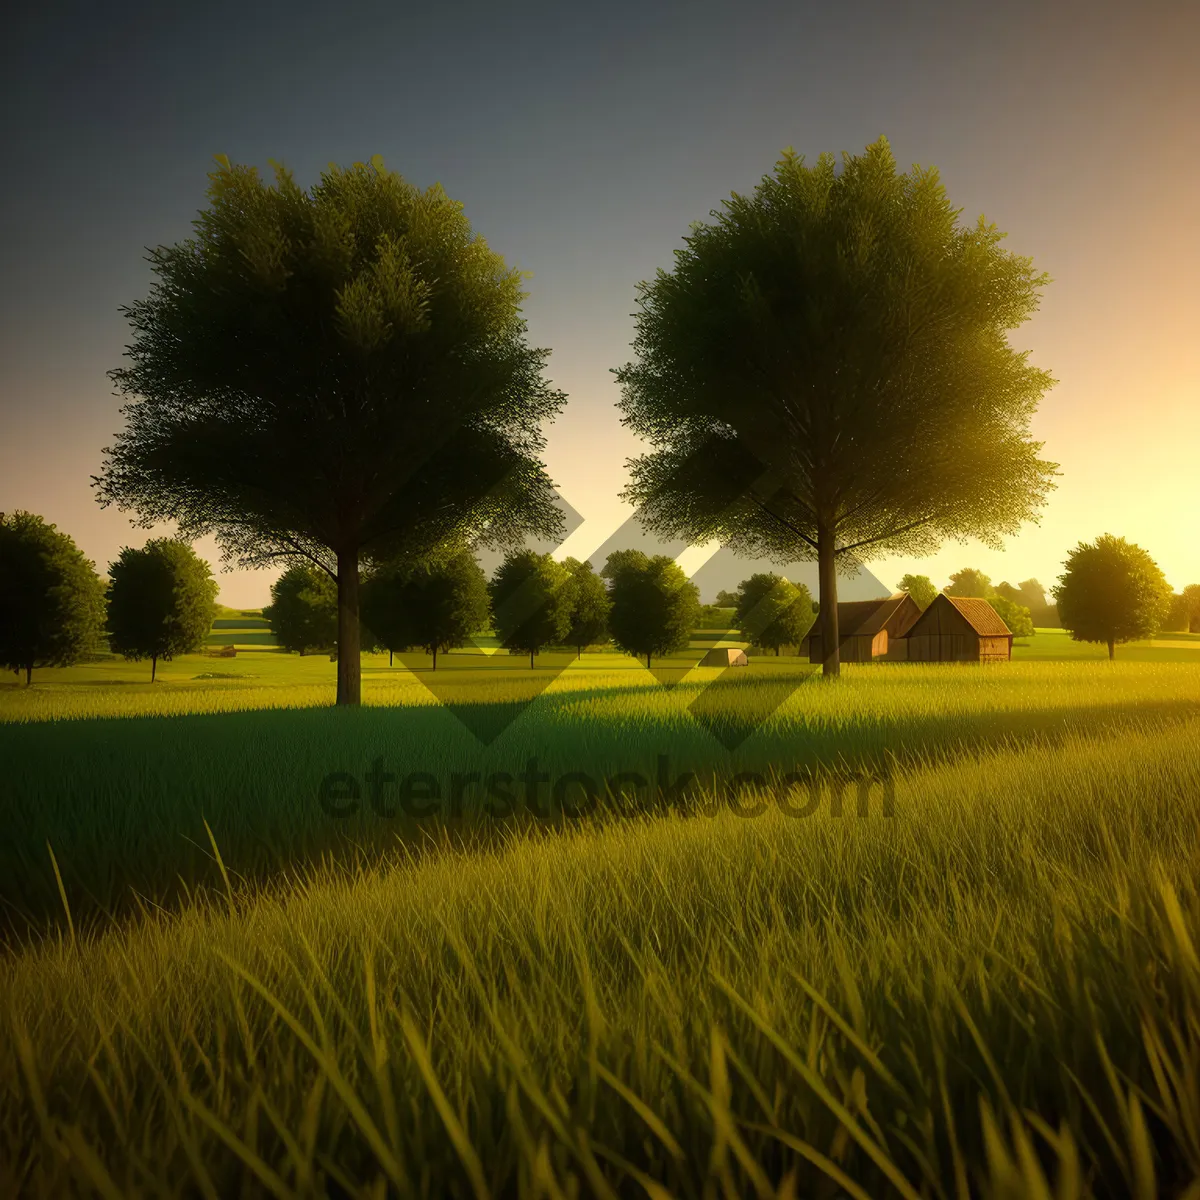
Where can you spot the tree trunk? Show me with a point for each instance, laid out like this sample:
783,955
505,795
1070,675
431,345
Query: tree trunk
827,584
349,662
531,654
28,674
578,652
435,658
776,651
153,666
1112,650
391,655
647,662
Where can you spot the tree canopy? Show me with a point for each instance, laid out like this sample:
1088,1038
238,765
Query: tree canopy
589,606
1016,616
161,601
303,609
826,374
920,587
655,606
435,605
1111,592
52,601
773,612
338,376
1184,614
970,582
531,603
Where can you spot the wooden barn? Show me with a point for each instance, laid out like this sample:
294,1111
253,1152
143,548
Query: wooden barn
959,630
870,630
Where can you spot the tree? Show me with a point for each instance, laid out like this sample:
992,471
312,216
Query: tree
303,612
773,612
1006,591
589,606
1185,610
51,600
970,582
1111,592
337,376
435,605
531,603
920,587
826,374
1016,616
726,599
161,602
655,606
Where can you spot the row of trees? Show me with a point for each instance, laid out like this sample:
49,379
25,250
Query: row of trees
642,604
55,610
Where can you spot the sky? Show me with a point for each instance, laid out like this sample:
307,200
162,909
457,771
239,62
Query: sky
583,140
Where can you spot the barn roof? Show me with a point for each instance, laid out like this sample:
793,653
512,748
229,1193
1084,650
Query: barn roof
885,610
853,615
981,616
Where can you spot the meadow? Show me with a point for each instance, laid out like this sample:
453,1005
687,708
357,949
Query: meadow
973,975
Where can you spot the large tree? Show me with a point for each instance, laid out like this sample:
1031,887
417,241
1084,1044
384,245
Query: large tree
1185,610
338,376
303,613
920,587
51,599
826,374
1111,591
1016,616
531,603
773,612
655,607
161,602
589,605
435,605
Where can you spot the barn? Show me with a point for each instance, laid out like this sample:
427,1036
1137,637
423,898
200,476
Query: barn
870,630
954,629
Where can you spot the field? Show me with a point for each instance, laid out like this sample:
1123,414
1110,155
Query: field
937,940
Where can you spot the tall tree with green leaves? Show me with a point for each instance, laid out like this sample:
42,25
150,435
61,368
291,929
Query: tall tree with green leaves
303,613
826,374
161,602
1111,591
655,606
52,601
970,582
773,612
590,606
920,587
435,605
1016,616
531,603
338,376
1185,610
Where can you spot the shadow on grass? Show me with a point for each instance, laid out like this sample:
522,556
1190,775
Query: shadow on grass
124,803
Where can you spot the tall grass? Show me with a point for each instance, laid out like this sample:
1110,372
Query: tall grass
125,805
994,992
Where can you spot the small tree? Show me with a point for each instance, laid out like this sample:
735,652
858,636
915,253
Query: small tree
773,612
161,602
726,599
921,588
435,605
531,603
969,582
655,606
589,606
1111,592
1016,616
51,600
303,610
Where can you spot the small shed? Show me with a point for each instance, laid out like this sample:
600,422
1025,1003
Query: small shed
725,657
958,629
869,630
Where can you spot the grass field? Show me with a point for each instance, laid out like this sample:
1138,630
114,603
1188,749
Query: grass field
981,972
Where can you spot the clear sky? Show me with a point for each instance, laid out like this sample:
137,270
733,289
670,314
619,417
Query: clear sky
583,140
